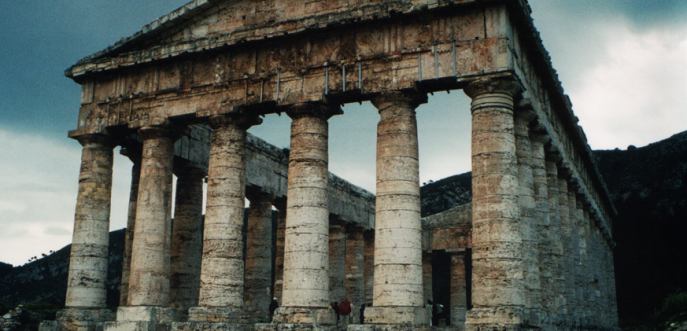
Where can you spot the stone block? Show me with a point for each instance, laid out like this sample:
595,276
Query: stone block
78,319
398,316
286,315
146,314
217,315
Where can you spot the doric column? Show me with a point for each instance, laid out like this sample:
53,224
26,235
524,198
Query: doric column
498,286
398,288
555,240
575,245
427,276
544,228
187,240
306,248
134,154
88,259
258,273
528,216
369,273
150,258
280,204
568,260
337,263
355,265
459,299
222,268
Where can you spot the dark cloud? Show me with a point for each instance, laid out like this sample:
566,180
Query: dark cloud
40,39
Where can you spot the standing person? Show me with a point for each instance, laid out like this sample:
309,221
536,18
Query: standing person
362,314
429,306
345,312
335,305
273,306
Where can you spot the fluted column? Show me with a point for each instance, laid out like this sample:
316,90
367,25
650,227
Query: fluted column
498,296
337,263
528,216
89,257
544,228
150,259
280,204
355,287
306,248
134,154
398,286
222,268
187,240
257,295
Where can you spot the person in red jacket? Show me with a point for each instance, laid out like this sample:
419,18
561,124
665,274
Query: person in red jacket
345,312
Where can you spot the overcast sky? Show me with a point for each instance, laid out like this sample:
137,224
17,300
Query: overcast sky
623,63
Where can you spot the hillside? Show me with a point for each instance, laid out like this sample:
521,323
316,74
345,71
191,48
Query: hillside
648,188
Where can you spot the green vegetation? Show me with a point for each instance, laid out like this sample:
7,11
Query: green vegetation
674,310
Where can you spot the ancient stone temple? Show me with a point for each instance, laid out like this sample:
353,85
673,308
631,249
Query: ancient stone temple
533,250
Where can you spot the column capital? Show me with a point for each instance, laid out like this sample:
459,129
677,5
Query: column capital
159,131
190,172
506,84
540,138
90,140
408,98
313,109
241,120
524,115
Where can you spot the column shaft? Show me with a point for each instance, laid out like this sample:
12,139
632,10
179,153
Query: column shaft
135,157
568,259
337,263
556,242
458,290
528,216
222,268
89,254
306,247
258,276
279,259
187,240
355,265
369,273
544,228
150,258
498,270
398,245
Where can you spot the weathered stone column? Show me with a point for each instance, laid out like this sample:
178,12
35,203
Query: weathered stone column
88,262
150,259
306,248
369,273
427,276
134,154
222,268
398,286
459,299
544,228
568,259
337,263
258,275
528,216
355,265
280,204
187,240
498,290
575,243
558,274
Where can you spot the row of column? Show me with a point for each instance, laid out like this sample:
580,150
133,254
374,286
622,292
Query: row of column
516,275
538,259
